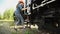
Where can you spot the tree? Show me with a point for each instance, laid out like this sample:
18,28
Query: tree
8,14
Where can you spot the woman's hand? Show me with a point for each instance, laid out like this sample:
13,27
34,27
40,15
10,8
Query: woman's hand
24,8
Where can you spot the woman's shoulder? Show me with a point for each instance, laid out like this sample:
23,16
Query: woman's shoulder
19,5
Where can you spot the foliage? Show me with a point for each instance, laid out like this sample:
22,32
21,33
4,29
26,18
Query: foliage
0,16
8,14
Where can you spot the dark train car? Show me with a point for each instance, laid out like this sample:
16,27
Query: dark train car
47,17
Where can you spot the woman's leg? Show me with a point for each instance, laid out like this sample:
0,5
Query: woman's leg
20,19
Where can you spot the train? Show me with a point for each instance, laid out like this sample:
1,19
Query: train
45,13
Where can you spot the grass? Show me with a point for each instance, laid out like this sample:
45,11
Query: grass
5,29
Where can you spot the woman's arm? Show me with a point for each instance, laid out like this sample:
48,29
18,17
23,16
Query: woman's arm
24,8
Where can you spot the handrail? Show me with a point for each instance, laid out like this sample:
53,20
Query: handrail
43,4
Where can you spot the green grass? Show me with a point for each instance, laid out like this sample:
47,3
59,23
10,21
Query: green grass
5,29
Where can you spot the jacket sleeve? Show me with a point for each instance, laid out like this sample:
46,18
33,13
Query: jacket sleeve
20,7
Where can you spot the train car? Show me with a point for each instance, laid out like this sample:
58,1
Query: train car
46,14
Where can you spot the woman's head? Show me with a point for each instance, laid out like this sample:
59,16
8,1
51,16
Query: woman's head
21,2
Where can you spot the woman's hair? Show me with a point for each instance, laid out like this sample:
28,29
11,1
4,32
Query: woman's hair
19,3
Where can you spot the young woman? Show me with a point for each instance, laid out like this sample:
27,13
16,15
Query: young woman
19,14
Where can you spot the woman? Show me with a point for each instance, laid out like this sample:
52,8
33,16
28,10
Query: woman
19,14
